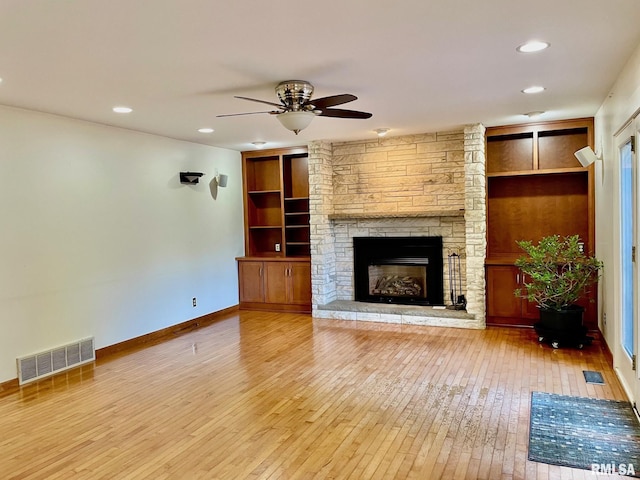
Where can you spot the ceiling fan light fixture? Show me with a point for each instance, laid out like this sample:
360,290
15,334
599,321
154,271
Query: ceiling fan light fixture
295,120
296,108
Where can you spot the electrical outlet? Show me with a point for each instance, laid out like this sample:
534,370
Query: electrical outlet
581,247
277,247
194,301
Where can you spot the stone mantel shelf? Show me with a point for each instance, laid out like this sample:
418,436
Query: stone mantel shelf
427,214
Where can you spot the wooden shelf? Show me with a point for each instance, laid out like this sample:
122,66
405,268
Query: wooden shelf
275,274
427,214
529,207
276,185
535,187
546,171
272,258
502,260
264,192
523,149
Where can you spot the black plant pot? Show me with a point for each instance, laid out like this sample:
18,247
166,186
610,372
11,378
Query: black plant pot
569,319
563,327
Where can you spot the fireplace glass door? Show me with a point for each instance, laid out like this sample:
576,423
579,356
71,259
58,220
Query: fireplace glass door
398,281
402,270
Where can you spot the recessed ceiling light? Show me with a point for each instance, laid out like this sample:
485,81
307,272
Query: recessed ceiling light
381,132
122,109
534,89
258,144
533,46
205,130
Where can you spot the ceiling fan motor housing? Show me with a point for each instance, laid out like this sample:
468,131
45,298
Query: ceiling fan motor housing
295,94
296,109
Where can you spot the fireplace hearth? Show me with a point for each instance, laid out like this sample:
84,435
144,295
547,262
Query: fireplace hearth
400,270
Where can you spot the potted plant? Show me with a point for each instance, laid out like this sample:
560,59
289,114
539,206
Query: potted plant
557,273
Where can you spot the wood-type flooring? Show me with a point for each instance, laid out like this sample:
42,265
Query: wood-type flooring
260,395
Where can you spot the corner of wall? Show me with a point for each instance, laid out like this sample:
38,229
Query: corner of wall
322,246
475,220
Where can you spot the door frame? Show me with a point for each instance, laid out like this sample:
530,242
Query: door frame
623,363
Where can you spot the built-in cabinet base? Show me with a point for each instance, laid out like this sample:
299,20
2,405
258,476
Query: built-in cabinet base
275,284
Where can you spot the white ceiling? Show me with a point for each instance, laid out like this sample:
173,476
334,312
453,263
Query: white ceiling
417,65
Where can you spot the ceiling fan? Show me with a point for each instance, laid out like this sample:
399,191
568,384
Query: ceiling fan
296,109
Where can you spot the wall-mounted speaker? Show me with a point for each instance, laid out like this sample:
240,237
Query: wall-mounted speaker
586,156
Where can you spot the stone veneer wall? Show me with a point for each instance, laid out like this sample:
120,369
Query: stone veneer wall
451,229
409,174
427,185
475,217
323,255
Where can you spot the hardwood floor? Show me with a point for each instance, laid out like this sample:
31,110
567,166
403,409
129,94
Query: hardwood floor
262,395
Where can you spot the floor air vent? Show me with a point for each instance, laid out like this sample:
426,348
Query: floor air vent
43,364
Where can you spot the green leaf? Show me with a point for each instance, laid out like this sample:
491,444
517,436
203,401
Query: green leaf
557,273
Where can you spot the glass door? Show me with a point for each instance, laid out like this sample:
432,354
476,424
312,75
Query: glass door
628,326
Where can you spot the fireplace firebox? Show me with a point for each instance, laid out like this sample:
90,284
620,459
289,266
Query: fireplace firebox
402,270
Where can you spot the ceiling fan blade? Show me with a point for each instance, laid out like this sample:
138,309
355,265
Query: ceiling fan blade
333,100
340,113
247,113
279,105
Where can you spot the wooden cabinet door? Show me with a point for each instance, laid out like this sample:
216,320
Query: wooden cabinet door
275,276
300,283
251,276
529,309
502,280
503,307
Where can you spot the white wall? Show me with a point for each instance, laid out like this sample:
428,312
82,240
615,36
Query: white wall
99,237
616,110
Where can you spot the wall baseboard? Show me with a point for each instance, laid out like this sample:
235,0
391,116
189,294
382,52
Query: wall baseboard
605,348
177,329
12,386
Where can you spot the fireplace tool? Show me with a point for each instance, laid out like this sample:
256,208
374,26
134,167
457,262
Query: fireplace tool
458,302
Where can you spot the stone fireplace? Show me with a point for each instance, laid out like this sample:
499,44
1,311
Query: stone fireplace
429,185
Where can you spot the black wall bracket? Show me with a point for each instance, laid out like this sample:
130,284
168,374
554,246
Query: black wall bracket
190,177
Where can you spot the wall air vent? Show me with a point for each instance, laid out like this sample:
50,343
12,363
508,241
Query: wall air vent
49,362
